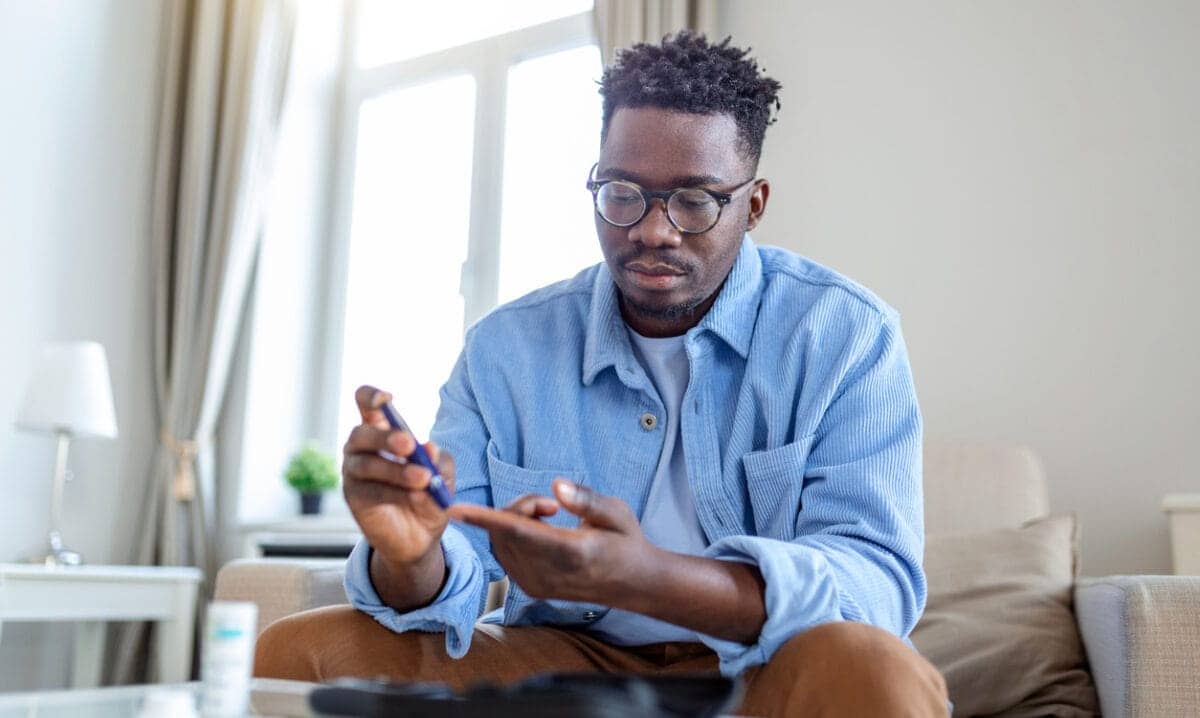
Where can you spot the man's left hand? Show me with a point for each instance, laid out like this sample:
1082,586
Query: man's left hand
598,562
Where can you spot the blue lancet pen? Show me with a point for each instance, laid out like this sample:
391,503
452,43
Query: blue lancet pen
437,485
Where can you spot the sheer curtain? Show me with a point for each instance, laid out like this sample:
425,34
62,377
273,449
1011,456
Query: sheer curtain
225,65
620,23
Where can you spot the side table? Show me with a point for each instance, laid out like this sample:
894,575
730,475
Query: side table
1183,517
322,536
91,595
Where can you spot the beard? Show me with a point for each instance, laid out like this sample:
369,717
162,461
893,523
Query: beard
669,313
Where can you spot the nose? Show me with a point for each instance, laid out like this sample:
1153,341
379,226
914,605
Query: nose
655,230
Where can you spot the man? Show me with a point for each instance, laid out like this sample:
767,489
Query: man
698,455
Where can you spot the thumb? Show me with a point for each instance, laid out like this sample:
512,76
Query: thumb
596,509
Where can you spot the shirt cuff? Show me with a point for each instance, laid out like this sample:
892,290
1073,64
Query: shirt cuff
454,610
801,592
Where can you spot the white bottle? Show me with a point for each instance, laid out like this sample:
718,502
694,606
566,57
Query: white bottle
227,657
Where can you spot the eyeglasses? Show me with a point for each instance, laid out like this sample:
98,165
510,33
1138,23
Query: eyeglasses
691,210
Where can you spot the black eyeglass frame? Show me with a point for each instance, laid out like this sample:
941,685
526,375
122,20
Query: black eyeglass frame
722,199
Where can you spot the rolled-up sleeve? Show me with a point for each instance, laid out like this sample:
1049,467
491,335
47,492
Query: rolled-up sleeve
460,430
454,610
859,535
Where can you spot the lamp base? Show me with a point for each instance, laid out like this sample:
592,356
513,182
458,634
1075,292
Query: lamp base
58,555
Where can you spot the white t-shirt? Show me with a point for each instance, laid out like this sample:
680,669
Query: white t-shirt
669,520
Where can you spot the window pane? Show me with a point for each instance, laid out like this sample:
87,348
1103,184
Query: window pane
552,139
389,30
279,388
408,240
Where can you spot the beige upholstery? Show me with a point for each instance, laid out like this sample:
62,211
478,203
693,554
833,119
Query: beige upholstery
976,486
282,587
1141,633
1009,615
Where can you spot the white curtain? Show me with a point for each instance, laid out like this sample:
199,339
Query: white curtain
621,23
225,66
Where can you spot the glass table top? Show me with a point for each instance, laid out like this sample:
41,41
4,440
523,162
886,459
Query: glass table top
268,697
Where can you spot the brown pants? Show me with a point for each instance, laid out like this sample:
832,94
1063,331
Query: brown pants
836,669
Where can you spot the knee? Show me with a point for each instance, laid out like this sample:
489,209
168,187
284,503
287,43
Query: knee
853,669
291,646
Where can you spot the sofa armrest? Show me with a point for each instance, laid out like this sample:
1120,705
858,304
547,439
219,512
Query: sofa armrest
282,587
1142,637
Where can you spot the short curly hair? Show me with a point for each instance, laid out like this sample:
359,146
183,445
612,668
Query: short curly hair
688,73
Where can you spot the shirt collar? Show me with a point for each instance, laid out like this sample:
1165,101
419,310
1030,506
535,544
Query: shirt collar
731,317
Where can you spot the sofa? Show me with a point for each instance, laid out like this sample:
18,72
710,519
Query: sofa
1009,623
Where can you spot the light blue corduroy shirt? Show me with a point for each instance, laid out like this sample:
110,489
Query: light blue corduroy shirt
800,426
670,520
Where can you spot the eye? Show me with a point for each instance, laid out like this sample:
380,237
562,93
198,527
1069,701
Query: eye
621,193
693,199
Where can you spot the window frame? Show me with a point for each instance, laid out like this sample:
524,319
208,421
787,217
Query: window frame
488,60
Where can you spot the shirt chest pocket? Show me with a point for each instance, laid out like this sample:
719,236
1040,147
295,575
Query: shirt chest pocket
509,481
774,481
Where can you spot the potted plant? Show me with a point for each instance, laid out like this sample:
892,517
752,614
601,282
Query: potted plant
311,472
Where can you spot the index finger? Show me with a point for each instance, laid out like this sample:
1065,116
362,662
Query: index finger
483,517
505,522
369,399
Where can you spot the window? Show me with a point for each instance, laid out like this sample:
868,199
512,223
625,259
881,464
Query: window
408,242
472,139
390,31
456,181
547,232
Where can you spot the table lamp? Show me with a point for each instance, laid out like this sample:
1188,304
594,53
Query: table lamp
69,394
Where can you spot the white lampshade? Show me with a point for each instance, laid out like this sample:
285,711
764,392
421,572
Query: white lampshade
70,390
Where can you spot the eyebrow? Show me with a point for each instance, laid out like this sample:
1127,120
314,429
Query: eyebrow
678,181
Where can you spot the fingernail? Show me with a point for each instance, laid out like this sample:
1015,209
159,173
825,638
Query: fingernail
396,441
565,489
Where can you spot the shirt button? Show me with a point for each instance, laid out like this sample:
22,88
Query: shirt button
590,616
649,421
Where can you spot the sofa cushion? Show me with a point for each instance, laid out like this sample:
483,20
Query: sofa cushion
999,622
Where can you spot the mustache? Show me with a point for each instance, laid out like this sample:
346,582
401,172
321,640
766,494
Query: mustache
652,257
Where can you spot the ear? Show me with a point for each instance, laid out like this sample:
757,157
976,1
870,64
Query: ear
758,203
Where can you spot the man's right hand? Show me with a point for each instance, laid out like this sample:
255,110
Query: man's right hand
398,517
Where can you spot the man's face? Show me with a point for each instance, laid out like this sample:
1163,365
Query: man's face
667,279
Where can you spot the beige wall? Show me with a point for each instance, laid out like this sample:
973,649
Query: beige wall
1021,180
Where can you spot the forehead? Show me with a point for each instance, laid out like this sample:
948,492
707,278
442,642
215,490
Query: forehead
658,147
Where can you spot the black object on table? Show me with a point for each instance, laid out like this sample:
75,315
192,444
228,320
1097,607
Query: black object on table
552,695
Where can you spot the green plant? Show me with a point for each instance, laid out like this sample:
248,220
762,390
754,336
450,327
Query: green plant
311,471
